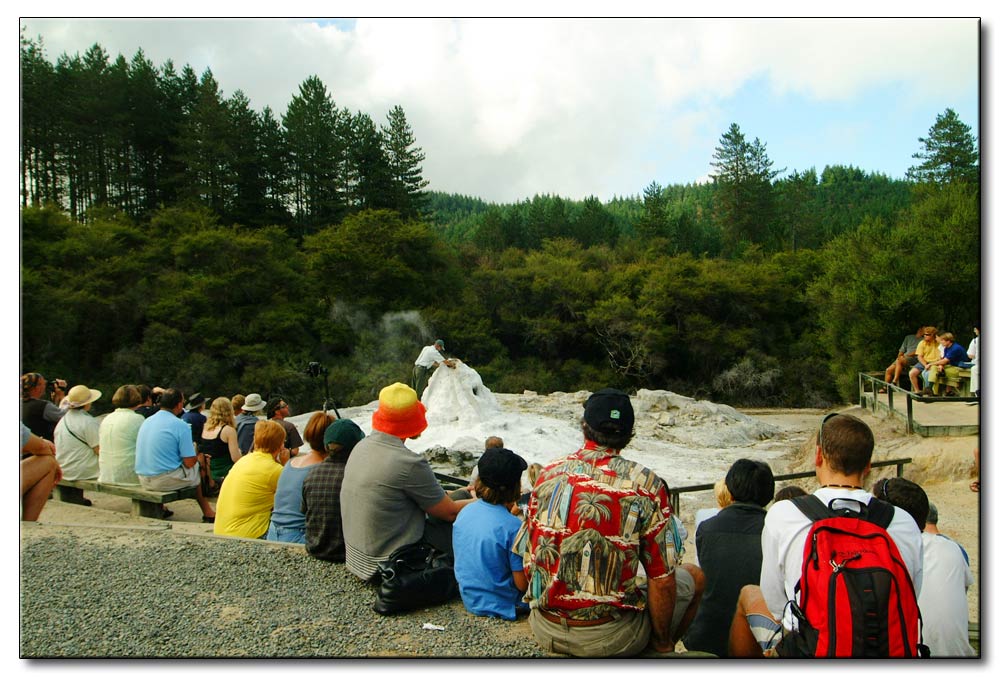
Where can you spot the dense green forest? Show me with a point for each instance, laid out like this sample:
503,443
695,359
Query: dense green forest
173,235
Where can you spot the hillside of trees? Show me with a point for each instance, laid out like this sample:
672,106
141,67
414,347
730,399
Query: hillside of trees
173,235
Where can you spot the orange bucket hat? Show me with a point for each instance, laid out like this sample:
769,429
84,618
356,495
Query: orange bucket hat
399,412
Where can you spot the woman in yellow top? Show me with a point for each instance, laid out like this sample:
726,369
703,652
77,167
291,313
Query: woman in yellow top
247,495
927,352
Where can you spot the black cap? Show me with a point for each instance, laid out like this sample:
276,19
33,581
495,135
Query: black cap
609,411
501,468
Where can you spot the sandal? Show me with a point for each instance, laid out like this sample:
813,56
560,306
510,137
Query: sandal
208,520
882,391
974,486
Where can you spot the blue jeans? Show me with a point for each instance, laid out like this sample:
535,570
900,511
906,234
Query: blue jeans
286,534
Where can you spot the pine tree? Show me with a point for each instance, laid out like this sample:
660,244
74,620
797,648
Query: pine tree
594,224
84,126
314,131
204,148
745,198
247,200
949,153
404,162
798,209
149,120
653,222
119,136
40,175
372,185
179,93
274,167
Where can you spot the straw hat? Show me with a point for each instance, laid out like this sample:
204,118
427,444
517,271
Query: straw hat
80,396
399,412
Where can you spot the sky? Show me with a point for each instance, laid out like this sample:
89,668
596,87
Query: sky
506,108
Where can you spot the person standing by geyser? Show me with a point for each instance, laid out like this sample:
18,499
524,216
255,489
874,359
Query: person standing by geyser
430,357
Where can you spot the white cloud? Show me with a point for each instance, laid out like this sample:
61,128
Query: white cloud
840,58
505,108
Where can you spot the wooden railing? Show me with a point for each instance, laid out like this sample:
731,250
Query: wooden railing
870,383
675,493
449,482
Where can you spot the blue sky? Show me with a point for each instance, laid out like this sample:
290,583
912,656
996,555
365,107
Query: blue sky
506,108
878,130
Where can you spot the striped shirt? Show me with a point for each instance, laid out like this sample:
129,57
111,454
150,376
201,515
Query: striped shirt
362,565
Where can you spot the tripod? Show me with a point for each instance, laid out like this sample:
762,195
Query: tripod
316,369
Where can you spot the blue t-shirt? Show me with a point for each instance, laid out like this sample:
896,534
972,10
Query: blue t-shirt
955,354
196,420
288,498
484,564
163,441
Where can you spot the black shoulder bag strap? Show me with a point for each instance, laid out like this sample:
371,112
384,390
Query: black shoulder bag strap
876,511
880,512
813,508
66,426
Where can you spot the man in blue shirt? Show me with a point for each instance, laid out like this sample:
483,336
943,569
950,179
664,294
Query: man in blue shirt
946,369
165,458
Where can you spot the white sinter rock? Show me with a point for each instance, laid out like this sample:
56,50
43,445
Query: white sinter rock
458,397
687,441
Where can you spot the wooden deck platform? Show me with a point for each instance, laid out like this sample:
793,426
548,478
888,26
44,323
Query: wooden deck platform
926,416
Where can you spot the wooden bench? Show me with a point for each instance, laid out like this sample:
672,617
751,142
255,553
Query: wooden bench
965,383
145,503
962,383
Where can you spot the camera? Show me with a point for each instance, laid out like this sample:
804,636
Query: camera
316,369
50,385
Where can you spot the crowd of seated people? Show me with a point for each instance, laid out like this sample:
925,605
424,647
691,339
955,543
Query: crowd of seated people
354,499
933,361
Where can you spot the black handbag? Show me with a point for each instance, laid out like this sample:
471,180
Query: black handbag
415,576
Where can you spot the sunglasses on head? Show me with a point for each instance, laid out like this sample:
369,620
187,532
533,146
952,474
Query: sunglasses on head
822,424
882,489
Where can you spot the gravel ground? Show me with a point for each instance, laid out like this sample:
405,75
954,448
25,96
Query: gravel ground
276,601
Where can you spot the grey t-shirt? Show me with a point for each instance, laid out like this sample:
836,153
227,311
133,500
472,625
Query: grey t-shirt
909,344
387,490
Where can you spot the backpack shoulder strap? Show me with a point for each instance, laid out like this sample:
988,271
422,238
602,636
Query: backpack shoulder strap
813,508
879,513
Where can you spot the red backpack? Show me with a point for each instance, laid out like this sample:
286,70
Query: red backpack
856,597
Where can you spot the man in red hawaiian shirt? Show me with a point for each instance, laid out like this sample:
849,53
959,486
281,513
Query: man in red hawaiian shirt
594,522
